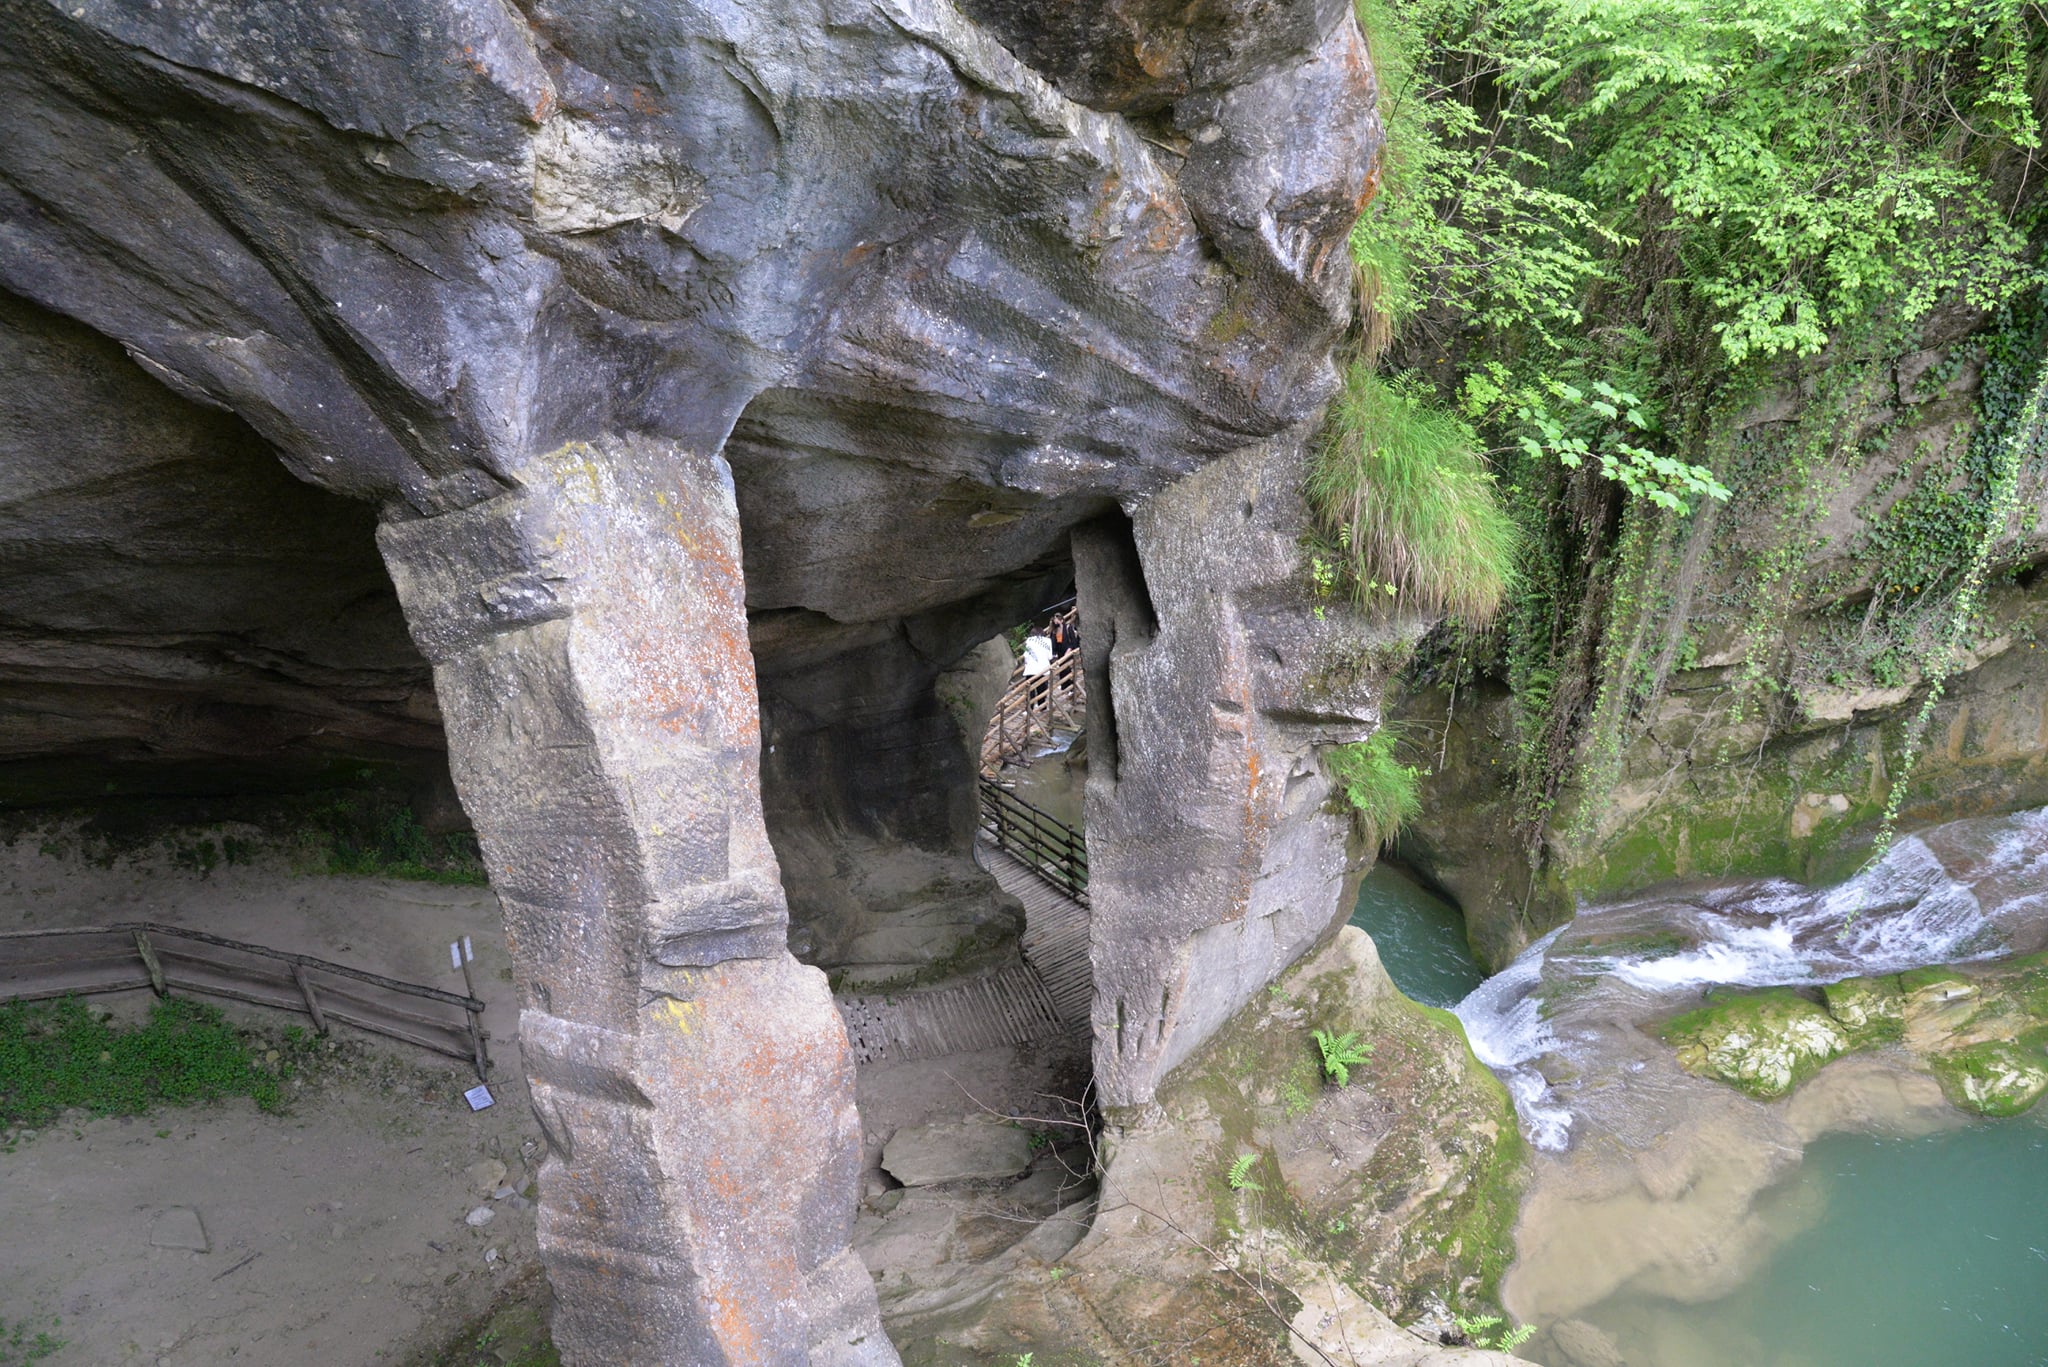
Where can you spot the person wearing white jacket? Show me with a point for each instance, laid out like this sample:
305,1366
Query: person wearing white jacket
1037,664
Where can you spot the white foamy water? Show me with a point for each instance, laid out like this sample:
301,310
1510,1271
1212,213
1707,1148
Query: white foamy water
1967,891
1503,1018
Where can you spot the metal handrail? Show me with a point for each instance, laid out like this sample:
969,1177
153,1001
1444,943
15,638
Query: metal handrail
1050,848
356,1011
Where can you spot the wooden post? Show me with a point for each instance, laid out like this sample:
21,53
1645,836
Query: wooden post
149,961
476,1044
462,954
312,1002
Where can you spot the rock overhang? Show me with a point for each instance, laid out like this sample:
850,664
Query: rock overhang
414,243
859,292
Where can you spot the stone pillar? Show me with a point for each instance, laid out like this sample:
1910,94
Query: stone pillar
1216,858
588,634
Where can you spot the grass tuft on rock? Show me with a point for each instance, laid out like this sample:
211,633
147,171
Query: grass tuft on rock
1406,503
58,1055
1375,783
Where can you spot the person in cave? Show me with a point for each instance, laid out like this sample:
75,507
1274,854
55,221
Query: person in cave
1038,655
1066,638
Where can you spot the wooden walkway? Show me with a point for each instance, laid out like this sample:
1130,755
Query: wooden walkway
1010,1006
1046,997
1033,708
1041,862
1055,934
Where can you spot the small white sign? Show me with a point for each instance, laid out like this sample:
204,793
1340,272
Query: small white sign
478,1097
454,954
468,955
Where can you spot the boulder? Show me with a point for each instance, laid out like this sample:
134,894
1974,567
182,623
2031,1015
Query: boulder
956,1151
1997,1078
1765,1043
1586,1345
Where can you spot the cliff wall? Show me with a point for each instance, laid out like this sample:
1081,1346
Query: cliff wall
1770,661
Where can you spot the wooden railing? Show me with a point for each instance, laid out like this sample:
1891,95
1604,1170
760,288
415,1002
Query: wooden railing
1033,707
1050,848
83,960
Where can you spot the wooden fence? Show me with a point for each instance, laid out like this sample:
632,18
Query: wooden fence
1050,848
84,960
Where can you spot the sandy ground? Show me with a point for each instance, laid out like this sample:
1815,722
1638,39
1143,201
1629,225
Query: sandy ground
337,1231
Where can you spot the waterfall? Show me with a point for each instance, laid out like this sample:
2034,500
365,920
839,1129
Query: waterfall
1968,891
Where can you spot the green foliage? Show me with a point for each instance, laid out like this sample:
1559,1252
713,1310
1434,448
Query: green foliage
1812,164
1560,421
1480,1329
1605,226
1341,1053
57,1055
2014,431
1240,1175
1466,229
371,836
1789,168
21,1348
1380,789
1400,492
1924,545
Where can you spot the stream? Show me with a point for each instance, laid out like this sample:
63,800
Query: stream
1672,1221
1420,936
1908,1251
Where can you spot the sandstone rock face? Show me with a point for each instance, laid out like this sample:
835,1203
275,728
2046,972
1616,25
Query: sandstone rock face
588,633
1403,1185
659,332
177,613
1215,859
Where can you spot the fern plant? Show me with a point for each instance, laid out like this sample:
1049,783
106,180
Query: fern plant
1240,1174
1480,1329
1340,1054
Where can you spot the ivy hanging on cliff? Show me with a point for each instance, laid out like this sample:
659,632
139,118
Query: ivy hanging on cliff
1606,225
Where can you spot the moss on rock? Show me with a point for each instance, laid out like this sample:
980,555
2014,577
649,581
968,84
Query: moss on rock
1996,1078
1764,1043
1870,1010
1982,1030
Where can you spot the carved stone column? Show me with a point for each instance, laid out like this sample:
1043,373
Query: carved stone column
589,640
1215,856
